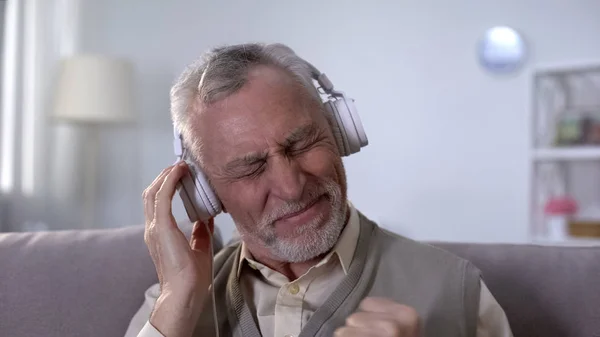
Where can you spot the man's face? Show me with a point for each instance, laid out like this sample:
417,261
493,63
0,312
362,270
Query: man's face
273,161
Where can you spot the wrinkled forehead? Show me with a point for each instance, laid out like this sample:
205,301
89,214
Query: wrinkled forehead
266,110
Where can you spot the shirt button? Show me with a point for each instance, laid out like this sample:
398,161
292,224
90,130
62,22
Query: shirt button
294,289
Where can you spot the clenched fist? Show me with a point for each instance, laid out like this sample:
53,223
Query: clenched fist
183,268
380,317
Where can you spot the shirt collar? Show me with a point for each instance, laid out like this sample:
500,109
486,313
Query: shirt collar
343,249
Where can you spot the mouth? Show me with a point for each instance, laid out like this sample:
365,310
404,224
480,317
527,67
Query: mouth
300,212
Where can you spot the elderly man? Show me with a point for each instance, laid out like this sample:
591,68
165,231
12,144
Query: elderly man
308,263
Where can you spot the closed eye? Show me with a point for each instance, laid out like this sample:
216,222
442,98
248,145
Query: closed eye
246,166
300,148
308,144
253,173
247,171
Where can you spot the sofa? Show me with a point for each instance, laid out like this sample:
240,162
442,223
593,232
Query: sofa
91,282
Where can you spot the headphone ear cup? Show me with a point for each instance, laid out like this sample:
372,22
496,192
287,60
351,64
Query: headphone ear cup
351,135
209,194
338,132
199,199
212,202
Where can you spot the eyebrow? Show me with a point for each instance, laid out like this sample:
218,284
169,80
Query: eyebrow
307,131
246,160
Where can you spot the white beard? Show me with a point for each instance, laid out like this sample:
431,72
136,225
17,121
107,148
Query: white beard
309,240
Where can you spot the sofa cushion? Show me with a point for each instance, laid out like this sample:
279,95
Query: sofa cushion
73,283
546,291
91,283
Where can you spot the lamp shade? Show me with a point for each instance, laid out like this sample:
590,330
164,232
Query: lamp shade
95,89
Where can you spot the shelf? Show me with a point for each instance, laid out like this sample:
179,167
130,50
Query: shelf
570,241
567,68
567,153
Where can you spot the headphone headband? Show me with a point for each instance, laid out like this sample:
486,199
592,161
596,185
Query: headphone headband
324,81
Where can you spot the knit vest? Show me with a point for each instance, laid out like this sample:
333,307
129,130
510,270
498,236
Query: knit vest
441,287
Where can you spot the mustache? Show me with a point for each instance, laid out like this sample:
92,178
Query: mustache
292,207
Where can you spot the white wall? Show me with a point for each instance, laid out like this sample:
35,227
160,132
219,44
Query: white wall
448,153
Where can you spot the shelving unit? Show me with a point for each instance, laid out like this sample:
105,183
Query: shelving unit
579,153
563,92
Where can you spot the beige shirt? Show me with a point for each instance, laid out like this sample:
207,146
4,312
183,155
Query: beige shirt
283,307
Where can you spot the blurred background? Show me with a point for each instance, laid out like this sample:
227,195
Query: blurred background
482,116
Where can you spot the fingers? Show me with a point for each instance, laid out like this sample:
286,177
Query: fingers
380,304
353,332
164,195
401,312
385,317
364,319
383,324
149,194
180,270
200,238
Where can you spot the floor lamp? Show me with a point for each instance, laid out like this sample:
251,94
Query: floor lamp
94,91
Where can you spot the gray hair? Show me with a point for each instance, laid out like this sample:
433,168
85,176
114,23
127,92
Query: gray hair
223,71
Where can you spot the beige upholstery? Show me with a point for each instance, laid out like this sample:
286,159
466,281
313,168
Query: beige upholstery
90,283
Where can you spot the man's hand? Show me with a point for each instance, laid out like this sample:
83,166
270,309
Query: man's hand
183,268
381,317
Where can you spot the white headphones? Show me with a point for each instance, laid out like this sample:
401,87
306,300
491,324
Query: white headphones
200,201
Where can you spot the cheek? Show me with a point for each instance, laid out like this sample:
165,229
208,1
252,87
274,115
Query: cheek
242,200
321,162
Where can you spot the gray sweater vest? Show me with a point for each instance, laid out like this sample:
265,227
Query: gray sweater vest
443,288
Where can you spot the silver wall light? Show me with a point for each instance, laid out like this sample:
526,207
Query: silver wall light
501,50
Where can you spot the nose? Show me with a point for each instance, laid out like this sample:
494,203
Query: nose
286,178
